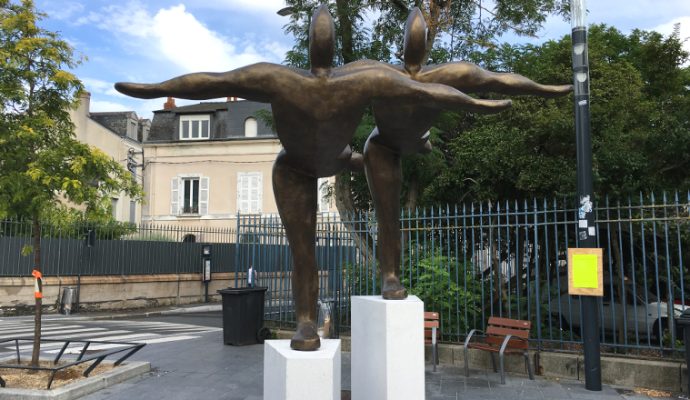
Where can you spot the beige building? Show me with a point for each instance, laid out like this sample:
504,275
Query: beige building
200,165
119,135
206,163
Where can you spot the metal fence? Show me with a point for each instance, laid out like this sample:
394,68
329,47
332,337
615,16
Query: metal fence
472,261
467,262
114,250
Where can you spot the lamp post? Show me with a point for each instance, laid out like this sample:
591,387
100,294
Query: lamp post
586,231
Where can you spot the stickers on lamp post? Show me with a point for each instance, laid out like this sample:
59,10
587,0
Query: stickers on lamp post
585,272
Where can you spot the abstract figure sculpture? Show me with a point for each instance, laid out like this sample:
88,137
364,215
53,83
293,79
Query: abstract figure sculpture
403,129
316,113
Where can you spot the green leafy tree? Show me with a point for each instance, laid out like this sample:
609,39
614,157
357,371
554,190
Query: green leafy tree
640,120
41,163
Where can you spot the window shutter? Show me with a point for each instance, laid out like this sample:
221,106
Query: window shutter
175,197
203,195
242,192
256,192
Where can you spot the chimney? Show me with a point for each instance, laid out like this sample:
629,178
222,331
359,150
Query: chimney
84,103
231,99
170,104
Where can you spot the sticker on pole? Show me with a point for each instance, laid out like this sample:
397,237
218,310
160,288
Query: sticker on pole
585,272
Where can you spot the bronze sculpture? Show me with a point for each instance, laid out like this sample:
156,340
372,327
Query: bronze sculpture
403,129
316,113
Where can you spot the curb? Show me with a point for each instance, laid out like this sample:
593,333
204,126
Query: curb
81,388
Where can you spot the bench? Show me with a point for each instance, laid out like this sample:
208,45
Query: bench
502,336
431,333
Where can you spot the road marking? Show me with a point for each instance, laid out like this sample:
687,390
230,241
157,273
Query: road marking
43,329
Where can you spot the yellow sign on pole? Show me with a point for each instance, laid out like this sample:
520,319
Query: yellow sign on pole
585,272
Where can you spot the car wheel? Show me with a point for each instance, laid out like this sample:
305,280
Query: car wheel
659,328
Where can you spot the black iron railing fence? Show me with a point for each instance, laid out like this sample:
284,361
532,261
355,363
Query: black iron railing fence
466,262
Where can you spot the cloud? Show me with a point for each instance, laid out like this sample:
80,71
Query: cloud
684,33
262,6
107,106
98,86
63,10
176,36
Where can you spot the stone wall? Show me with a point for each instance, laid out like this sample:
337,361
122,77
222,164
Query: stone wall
114,292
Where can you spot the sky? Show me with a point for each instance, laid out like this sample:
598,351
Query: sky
154,40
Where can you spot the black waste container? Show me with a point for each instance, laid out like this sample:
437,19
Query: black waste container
683,322
243,315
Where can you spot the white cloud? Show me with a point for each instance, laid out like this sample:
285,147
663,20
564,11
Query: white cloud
684,34
63,10
668,28
175,35
188,43
260,6
99,86
107,106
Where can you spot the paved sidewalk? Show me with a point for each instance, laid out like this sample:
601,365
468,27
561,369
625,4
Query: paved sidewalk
205,368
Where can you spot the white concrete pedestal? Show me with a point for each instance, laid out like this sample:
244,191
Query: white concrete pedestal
387,348
299,375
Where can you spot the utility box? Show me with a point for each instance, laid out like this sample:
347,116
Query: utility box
243,315
68,300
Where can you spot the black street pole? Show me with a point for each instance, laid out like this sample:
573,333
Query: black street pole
586,231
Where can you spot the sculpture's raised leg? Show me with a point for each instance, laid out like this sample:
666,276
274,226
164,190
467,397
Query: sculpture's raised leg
384,176
296,197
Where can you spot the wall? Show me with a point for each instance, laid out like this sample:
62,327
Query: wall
94,134
114,292
220,161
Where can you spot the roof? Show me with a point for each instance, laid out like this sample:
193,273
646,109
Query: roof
227,120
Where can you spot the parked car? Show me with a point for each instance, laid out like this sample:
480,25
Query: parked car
640,312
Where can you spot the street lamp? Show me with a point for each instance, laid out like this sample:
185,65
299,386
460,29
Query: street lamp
586,230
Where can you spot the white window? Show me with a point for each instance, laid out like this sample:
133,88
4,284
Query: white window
249,192
189,195
324,198
194,127
250,127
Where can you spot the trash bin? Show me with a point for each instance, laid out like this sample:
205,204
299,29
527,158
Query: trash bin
684,322
243,315
67,300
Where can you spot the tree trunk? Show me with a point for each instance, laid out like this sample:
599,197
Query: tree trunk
349,215
412,195
345,30
36,238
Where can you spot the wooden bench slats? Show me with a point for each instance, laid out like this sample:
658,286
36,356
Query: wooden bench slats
510,323
430,321
431,325
499,331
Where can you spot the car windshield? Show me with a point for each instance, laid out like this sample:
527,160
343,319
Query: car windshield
649,298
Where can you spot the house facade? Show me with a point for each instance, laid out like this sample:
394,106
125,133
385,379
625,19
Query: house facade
119,135
208,162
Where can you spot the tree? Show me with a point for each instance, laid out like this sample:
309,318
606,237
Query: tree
41,163
641,140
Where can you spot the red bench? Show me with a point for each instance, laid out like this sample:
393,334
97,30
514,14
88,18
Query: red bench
502,336
431,334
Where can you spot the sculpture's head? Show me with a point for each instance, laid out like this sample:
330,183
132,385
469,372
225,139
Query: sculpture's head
414,48
321,39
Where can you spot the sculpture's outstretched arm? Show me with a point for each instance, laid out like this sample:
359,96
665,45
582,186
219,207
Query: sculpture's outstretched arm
382,83
254,82
471,78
